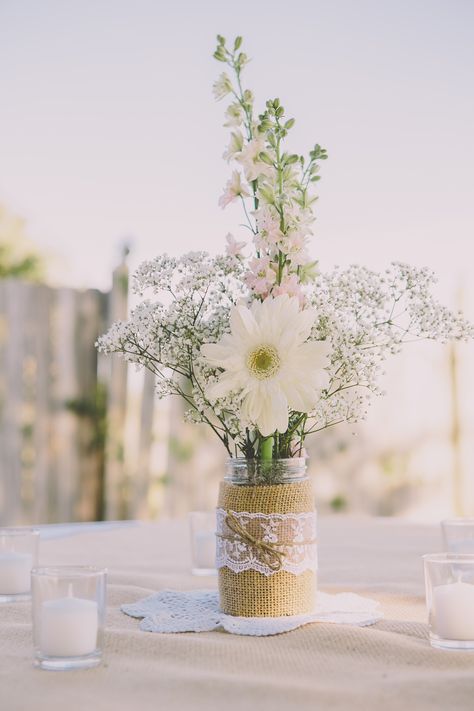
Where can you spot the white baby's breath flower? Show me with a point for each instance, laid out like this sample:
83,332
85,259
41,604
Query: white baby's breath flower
267,358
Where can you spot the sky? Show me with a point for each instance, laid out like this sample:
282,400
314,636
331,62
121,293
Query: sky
109,131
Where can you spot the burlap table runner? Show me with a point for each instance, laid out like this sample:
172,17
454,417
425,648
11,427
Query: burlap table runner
316,668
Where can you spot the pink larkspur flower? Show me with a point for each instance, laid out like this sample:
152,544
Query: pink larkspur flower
291,287
261,276
234,248
233,190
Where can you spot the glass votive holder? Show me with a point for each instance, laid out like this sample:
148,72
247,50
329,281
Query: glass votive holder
18,555
202,526
69,606
449,581
458,535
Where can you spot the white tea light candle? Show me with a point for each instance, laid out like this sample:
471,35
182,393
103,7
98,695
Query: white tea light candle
203,542
205,549
69,627
69,606
453,611
15,569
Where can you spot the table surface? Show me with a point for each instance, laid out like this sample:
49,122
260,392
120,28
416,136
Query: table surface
320,666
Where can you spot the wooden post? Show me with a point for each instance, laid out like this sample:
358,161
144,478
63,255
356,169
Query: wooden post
142,472
458,497
115,475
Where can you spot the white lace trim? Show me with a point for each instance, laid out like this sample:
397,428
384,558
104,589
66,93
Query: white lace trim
292,534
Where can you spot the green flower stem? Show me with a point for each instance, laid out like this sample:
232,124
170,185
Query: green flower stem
266,449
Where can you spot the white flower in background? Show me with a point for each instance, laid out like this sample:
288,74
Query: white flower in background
249,159
235,146
261,276
268,360
233,190
222,86
234,248
233,116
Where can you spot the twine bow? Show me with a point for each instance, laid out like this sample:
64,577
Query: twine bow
268,552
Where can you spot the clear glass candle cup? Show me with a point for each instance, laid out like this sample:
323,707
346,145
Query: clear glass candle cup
69,606
458,535
202,526
18,555
449,581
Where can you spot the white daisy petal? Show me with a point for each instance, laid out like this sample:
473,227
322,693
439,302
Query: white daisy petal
243,324
252,405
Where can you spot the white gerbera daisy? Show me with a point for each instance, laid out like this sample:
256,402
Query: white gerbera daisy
267,358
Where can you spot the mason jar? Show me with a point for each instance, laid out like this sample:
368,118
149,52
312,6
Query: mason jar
266,539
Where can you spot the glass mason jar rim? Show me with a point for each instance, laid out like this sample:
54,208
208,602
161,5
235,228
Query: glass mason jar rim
460,521
69,571
265,472
244,460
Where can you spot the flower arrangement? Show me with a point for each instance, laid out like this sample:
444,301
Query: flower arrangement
263,347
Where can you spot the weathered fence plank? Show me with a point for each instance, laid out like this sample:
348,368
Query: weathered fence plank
14,312
52,416
115,475
65,451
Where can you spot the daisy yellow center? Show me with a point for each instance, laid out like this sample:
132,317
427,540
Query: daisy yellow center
263,362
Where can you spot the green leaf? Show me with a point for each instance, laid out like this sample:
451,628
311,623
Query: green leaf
289,124
267,195
265,158
237,43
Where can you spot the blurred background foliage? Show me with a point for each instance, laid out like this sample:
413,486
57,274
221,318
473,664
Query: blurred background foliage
18,256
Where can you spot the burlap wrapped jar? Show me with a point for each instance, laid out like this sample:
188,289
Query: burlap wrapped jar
266,540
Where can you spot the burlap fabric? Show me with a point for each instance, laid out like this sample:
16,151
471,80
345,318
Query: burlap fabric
250,593
320,667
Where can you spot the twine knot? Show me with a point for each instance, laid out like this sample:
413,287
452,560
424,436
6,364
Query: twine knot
268,552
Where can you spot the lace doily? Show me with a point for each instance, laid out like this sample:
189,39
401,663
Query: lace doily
198,611
294,535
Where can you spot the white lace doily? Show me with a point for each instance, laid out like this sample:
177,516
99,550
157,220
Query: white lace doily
198,611
293,534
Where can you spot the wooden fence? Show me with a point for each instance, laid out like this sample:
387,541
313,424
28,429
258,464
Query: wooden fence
83,438
63,406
